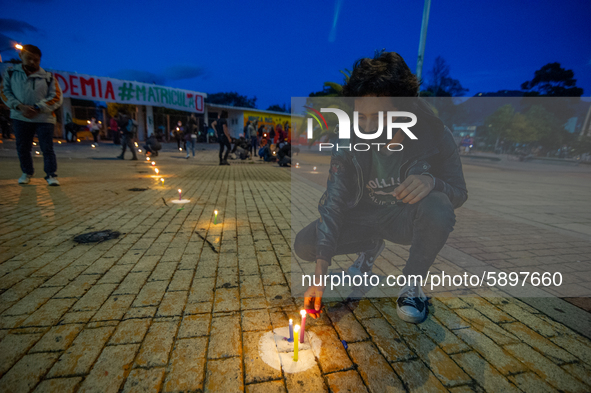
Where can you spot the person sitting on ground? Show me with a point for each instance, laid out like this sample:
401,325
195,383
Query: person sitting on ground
284,155
405,196
152,146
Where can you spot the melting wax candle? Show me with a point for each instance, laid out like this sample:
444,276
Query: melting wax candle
303,314
296,330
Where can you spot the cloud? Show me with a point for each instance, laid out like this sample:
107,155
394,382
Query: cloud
179,72
139,76
16,26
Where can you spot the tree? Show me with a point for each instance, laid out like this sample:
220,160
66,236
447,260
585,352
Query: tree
499,122
327,91
440,83
278,108
113,108
232,99
552,81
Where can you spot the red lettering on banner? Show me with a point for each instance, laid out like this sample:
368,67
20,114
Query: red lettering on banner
109,90
73,86
100,87
199,103
87,82
63,81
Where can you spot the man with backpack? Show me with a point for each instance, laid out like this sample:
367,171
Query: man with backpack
128,127
32,94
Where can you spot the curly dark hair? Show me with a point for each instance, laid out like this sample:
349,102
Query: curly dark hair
386,75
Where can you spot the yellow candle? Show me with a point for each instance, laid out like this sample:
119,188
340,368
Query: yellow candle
296,334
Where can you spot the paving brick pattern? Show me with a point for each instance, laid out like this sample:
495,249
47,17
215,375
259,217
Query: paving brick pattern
177,304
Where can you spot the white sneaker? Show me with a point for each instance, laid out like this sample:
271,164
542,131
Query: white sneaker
52,181
365,259
24,179
412,304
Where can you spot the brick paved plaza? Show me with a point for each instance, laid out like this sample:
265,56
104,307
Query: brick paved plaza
178,304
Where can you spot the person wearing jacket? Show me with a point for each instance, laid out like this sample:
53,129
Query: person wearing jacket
115,133
406,196
32,94
126,124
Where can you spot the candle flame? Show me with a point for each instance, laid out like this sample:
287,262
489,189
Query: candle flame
153,163
291,320
147,158
180,190
215,212
156,170
296,328
302,313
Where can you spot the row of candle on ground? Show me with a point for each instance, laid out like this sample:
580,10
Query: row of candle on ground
215,212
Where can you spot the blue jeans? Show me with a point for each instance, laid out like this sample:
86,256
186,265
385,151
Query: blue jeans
191,144
424,225
24,132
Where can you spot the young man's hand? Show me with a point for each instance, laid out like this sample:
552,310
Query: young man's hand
28,111
414,188
313,295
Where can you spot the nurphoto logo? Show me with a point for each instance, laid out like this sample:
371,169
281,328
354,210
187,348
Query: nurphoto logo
393,122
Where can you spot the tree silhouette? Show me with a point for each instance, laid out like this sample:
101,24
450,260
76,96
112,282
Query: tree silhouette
278,108
232,99
441,84
552,81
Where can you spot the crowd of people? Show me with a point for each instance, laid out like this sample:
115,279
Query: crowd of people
269,143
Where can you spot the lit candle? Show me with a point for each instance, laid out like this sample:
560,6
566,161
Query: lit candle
215,217
156,170
314,169
153,163
36,152
303,314
139,150
180,149
296,329
92,146
290,339
147,158
180,193
162,180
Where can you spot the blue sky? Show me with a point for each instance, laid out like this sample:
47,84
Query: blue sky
275,50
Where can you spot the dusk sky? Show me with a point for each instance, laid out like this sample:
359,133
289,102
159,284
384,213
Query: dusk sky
274,51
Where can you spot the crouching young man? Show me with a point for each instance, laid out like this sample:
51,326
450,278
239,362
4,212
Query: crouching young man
406,196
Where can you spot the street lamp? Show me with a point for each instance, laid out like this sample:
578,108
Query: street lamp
16,46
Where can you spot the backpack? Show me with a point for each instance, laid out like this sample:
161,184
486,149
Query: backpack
131,126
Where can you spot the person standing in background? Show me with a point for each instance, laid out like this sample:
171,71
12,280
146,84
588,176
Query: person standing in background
114,129
32,94
127,126
253,138
223,135
94,129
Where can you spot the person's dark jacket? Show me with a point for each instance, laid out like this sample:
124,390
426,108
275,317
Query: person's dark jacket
434,152
284,151
153,143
